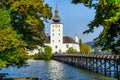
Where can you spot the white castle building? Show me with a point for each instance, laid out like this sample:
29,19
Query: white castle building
57,40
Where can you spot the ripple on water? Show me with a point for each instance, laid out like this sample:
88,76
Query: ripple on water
51,70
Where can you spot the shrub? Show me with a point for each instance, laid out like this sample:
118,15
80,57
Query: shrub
48,53
39,56
71,50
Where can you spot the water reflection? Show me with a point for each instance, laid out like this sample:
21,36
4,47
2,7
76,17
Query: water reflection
43,70
54,69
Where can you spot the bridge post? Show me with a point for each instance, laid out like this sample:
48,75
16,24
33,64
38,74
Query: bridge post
108,65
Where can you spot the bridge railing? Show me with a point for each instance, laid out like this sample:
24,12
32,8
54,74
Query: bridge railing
105,64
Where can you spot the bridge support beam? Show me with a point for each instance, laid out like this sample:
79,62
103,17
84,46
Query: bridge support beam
108,65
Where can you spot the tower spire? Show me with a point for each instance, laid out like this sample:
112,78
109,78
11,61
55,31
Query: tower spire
56,17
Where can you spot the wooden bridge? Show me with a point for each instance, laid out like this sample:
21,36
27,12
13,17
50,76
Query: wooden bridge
108,65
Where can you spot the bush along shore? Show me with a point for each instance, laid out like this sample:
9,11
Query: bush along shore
46,55
41,56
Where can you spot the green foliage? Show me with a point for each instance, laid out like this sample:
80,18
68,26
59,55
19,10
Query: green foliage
11,46
108,16
29,15
84,48
3,63
39,56
27,18
4,18
71,50
80,44
48,53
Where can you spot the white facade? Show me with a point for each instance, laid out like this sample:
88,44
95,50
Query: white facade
35,51
58,42
56,39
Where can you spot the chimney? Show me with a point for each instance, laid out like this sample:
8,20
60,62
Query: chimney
76,38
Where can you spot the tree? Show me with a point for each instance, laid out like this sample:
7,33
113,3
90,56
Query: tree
84,48
22,25
48,53
71,50
80,44
27,18
12,50
108,16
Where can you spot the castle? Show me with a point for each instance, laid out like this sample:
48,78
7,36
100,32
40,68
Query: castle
57,41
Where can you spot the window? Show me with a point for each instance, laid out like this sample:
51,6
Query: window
56,46
53,30
53,26
59,34
59,29
67,46
59,40
52,40
53,34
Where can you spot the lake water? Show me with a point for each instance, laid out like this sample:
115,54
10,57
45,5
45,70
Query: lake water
52,70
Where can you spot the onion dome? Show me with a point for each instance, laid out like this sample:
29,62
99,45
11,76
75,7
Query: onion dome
56,17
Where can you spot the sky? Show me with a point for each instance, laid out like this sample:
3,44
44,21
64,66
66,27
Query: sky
74,18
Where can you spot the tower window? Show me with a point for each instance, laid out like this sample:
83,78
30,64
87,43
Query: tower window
53,30
59,40
52,40
67,46
59,34
59,29
53,34
53,26
56,46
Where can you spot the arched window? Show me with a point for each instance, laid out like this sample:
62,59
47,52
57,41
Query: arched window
67,46
52,40
56,46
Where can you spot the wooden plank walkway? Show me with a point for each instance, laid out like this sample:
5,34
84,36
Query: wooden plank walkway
108,65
